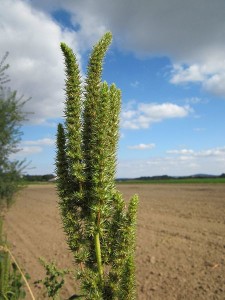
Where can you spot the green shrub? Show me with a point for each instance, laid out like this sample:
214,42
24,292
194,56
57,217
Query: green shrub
11,281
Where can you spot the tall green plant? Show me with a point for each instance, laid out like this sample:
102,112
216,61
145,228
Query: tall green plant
54,279
11,281
11,118
12,115
100,229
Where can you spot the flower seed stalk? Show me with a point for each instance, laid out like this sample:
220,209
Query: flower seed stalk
100,230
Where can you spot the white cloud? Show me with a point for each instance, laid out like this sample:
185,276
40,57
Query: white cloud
28,150
157,166
36,62
91,25
179,163
215,83
142,147
196,100
135,84
184,30
190,33
211,79
181,151
199,129
213,152
148,113
180,74
41,142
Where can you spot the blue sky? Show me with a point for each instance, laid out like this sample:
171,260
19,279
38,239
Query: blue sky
167,57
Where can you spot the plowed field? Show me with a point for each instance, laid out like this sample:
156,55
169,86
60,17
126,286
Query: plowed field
180,239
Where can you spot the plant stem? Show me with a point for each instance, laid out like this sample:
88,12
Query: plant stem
98,251
21,272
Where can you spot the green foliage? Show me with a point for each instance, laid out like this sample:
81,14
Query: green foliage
100,229
38,178
11,118
54,279
11,282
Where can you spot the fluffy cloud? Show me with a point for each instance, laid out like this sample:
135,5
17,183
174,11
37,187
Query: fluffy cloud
83,15
142,147
215,83
41,142
28,150
135,84
187,30
147,114
190,33
188,74
212,79
36,63
199,129
213,152
178,163
156,166
182,151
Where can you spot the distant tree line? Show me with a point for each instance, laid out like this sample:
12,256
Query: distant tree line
166,177
161,177
42,178
47,177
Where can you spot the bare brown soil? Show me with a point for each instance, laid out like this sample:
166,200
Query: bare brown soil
180,239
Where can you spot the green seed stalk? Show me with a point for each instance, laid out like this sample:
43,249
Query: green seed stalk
100,229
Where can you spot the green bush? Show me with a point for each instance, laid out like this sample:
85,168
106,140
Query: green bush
11,281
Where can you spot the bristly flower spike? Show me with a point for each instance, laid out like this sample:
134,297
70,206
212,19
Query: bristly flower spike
100,230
